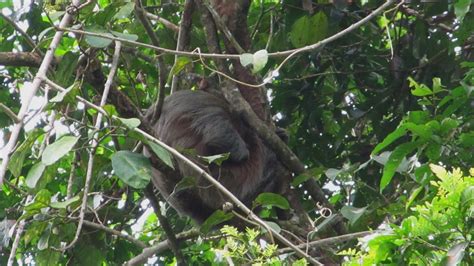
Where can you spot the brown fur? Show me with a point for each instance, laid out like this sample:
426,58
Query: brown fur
201,121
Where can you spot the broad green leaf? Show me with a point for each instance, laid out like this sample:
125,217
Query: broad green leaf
64,73
44,239
419,130
439,171
396,134
413,196
300,179
216,218
18,157
64,204
308,30
421,91
42,200
61,95
461,7
217,159
332,173
180,64
125,10
274,226
98,42
467,139
272,199
58,149
126,36
352,213
396,157
35,173
185,183
418,117
467,201
132,168
246,59
260,59
130,123
162,153
437,86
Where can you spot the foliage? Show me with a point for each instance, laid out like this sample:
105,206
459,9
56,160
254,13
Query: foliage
367,114
437,232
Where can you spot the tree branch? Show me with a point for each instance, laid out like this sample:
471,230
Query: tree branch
43,69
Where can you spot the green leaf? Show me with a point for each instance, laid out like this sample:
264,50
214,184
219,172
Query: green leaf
98,42
399,132
461,7
437,86
125,10
419,130
126,36
308,30
180,64
396,157
64,73
352,213
61,95
413,196
185,183
132,168
42,200
467,139
272,199
18,157
130,123
332,173
44,239
35,173
467,201
217,159
162,153
58,149
246,59
260,59
64,204
216,218
421,91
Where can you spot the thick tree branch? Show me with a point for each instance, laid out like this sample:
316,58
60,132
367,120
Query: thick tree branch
140,13
17,59
164,223
183,37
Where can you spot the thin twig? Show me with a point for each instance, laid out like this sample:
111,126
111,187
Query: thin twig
9,113
329,241
94,144
170,25
28,39
72,174
31,91
106,229
19,231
